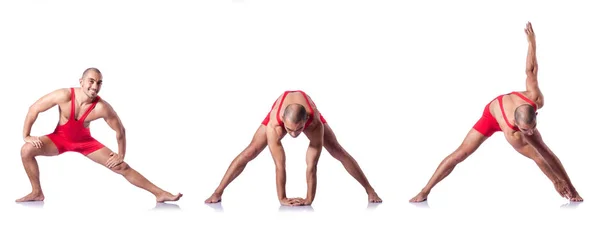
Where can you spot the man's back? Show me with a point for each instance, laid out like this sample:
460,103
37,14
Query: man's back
505,115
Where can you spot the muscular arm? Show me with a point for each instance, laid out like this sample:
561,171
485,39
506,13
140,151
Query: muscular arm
41,105
312,158
276,148
536,141
113,120
531,67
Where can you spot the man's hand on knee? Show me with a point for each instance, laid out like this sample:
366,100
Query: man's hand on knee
114,160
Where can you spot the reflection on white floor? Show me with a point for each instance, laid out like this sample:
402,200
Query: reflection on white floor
444,213
167,206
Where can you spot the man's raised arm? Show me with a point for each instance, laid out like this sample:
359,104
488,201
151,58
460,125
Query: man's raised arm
531,66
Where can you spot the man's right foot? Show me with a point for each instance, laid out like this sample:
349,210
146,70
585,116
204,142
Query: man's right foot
374,198
32,197
165,197
215,198
421,197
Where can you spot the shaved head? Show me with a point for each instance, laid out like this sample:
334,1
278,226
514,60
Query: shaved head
91,69
524,114
294,113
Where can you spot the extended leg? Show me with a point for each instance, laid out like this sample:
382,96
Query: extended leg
256,146
334,148
102,155
471,142
28,154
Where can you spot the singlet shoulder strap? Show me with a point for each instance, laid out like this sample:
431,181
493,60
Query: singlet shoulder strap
90,108
504,113
279,108
72,116
525,99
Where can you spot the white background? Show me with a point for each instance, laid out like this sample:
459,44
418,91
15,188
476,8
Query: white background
400,84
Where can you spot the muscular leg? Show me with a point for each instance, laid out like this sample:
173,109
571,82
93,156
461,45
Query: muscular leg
530,152
256,146
334,148
102,155
28,154
472,141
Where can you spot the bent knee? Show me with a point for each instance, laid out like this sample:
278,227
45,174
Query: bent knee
121,168
28,151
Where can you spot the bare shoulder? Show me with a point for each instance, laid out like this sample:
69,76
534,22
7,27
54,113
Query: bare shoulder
310,101
317,112
104,108
536,97
60,95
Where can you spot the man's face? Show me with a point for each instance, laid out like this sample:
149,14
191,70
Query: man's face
528,129
91,83
294,129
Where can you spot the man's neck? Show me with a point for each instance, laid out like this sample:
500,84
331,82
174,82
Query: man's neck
82,98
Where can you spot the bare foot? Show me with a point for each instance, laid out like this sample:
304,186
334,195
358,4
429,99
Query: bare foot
577,198
421,197
374,198
164,197
32,197
215,198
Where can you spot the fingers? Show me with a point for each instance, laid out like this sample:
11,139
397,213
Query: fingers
293,202
36,142
111,162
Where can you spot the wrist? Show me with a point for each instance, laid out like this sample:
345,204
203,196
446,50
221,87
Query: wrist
309,200
532,44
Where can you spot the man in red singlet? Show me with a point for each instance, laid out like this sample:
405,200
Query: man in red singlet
294,113
77,108
514,114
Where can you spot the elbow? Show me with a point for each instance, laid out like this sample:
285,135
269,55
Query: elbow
33,111
531,70
280,168
121,134
311,170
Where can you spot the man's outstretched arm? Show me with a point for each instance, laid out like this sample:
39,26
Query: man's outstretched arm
278,154
313,153
114,122
552,160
